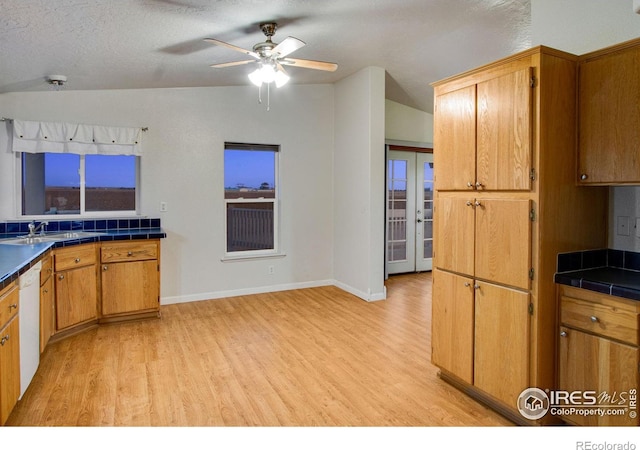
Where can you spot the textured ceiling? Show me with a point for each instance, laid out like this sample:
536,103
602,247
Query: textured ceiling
121,44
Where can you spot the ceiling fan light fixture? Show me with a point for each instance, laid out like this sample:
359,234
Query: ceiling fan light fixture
266,74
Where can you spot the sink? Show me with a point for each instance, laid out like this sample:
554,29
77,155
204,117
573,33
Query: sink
50,237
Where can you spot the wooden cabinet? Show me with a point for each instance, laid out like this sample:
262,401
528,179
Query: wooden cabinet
47,302
76,290
452,319
609,96
130,278
9,350
598,352
485,131
506,203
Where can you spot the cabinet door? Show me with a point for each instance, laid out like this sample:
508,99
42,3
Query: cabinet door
9,368
452,324
76,296
503,241
454,223
129,287
47,313
455,139
592,363
609,117
501,359
504,132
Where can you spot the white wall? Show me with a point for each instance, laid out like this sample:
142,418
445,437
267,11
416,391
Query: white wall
403,123
359,164
183,166
579,27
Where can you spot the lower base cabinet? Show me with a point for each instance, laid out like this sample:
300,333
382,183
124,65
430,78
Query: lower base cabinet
130,280
599,358
9,351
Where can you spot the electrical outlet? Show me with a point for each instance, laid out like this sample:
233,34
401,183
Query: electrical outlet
271,270
163,206
623,226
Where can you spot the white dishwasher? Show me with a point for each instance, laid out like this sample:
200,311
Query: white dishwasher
29,315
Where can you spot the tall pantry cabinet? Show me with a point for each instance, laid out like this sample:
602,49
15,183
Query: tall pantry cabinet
506,203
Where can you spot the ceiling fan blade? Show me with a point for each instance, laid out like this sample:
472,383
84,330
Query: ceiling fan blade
289,45
232,64
309,64
233,47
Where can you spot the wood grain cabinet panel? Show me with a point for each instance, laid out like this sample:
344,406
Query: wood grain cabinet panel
609,95
76,297
453,318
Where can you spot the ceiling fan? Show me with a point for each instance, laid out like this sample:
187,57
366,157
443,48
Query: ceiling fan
271,58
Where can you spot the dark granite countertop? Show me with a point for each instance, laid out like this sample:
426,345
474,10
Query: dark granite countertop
17,259
613,272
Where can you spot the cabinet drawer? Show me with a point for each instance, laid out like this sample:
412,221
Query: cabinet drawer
9,303
76,256
129,251
605,319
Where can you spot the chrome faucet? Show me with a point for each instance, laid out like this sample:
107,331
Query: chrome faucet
33,229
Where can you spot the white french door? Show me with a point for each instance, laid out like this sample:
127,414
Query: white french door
409,227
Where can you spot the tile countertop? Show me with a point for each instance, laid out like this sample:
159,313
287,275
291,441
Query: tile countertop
17,259
613,272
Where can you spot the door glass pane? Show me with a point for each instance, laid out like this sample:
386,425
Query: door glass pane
397,210
427,202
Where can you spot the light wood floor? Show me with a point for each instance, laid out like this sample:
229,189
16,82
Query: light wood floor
309,357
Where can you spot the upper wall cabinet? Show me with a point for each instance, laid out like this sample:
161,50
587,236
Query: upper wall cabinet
609,115
485,134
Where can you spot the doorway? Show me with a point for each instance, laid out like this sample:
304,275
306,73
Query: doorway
409,212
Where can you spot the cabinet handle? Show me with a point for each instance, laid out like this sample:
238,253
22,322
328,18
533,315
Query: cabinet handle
12,306
476,286
478,185
46,291
4,339
77,260
594,319
470,184
584,176
105,268
469,203
467,284
563,333
60,277
129,253
477,203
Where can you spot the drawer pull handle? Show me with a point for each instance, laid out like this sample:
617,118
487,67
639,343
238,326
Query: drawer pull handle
594,319
469,203
4,339
13,305
77,260
467,284
60,277
476,286
470,184
563,333
129,253
477,203
105,268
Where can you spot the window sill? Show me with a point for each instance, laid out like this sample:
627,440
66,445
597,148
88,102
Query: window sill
252,257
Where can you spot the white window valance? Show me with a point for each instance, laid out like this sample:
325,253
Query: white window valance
54,137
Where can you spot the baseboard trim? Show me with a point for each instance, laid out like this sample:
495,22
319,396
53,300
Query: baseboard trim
215,295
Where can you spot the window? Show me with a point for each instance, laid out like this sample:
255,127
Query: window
251,198
65,183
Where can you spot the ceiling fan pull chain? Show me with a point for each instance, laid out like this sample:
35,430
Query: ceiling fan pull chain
260,94
268,96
